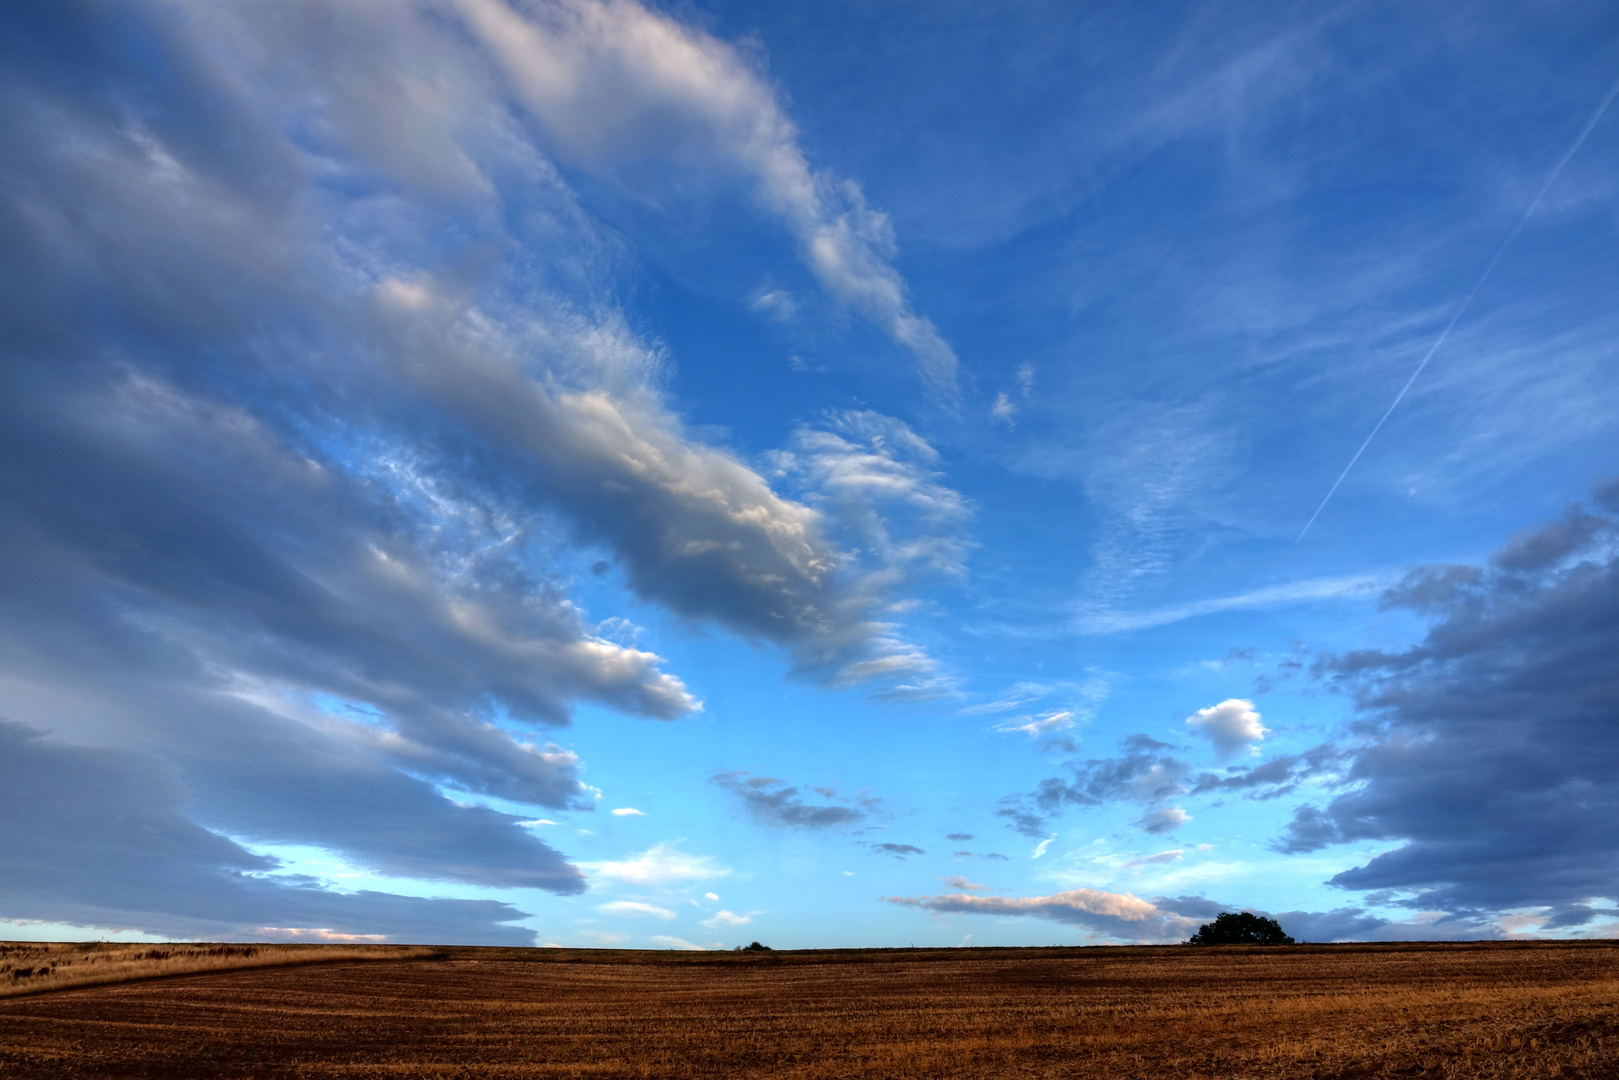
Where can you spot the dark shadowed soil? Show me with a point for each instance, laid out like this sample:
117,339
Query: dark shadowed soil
1513,1010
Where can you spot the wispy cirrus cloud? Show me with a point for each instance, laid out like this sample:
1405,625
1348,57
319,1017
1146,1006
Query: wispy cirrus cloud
1105,621
617,85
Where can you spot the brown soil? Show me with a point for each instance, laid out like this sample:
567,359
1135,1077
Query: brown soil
1498,1010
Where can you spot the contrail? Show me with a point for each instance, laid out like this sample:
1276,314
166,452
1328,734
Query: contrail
1467,300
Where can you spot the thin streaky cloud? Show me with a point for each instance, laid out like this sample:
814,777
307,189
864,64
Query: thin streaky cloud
1467,300
1115,622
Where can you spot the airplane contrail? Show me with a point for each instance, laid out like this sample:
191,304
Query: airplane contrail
1467,300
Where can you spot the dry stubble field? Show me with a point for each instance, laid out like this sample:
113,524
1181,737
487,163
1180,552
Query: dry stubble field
1497,1010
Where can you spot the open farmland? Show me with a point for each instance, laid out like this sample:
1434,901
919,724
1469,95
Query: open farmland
1495,1010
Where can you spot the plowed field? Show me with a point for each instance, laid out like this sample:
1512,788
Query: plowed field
1516,1010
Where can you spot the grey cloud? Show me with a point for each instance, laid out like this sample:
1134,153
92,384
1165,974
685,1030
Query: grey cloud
1279,776
898,851
1165,820
1144,774
776,802
1118,915
959,837
99,838
1489,747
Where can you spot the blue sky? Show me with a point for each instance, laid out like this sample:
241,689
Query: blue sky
664,476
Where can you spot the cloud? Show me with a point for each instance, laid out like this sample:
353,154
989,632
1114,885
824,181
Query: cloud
1486,750
778,304
1276,777
669,942
99,838
1110,621
726,918
959,837
1230,726
958,882
617,86
1004,410
1117,915
1141,861
635,907
628,811
1042,724
879,491
659,864
775,802
305,436
1144,774
898,851
1163,821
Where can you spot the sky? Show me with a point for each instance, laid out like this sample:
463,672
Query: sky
601,473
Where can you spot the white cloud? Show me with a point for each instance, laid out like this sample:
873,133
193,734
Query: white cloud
657,865
635,907
712,896
1003,410
1043,724
615,84
1108,621
669,942
1040,848
778,304
727,918
628,811
1230,726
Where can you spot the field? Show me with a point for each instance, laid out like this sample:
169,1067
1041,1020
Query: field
1491,1010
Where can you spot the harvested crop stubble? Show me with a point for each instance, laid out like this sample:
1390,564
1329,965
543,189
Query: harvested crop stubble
1491,1011
30,967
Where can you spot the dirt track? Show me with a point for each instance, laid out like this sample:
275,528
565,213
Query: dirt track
1333,1011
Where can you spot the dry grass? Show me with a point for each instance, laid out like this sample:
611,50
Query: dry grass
30,967
1500,1012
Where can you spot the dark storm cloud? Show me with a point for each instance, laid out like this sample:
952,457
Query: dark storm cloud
776,802
99,838
1490,748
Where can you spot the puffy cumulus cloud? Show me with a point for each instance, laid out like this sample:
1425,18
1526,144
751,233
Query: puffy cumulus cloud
618,87
776,802
1231,726
316,402
660,864
1146,773
1488,748
1116,915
